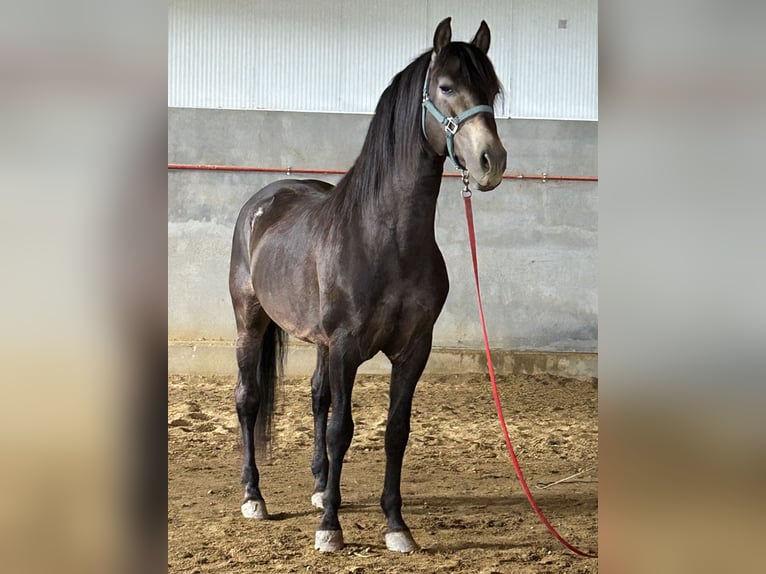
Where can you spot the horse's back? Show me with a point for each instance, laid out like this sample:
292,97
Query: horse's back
305,191
300,193
310,188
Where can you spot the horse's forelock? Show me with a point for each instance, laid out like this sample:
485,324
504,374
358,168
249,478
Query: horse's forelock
474,67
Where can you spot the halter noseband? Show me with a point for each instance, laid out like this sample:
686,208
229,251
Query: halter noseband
451,124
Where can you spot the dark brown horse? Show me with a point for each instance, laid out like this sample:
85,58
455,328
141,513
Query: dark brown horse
355,269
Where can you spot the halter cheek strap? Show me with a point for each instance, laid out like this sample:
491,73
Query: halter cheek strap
451,124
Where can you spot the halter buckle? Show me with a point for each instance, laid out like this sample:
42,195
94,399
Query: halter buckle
451,126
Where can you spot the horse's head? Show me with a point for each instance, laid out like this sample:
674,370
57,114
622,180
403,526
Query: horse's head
459,92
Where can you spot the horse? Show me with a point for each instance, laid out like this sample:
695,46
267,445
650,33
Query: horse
355,269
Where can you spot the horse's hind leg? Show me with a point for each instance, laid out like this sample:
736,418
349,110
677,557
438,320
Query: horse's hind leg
344,360
320,403
405,372
249,344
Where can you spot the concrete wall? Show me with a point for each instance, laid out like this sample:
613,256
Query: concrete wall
537,241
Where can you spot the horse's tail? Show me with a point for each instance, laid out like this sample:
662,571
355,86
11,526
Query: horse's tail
269,372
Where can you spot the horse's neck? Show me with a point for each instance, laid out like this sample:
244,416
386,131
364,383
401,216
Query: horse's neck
409,205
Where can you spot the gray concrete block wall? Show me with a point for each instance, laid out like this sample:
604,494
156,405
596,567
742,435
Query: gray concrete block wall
537,241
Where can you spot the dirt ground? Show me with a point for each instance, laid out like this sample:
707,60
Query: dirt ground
462,500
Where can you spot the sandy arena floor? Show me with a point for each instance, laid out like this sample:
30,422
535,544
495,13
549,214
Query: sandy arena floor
462,500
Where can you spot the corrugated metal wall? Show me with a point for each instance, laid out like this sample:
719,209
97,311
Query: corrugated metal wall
554,64
339,56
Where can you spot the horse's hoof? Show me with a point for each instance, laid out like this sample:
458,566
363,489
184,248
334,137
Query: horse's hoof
317,500
255,509
401,542
328,540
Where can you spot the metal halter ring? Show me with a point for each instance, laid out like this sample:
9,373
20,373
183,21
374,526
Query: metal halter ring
451,125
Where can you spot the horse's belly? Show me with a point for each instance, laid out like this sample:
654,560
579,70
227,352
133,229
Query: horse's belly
292,312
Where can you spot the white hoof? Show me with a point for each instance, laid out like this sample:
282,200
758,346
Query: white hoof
328,540
255,509
401,542
317,500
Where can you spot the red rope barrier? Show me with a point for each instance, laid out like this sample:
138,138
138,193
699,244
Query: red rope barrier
499,408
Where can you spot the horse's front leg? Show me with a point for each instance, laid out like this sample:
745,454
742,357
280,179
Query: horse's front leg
406,370
320,403
344,361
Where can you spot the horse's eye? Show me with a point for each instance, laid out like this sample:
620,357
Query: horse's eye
446,90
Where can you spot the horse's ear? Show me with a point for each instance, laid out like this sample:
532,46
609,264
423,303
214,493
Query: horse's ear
481,39
443,35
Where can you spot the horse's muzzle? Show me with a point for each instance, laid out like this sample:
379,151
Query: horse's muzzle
492,163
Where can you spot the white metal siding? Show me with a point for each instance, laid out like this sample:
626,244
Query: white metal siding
379,40
554,71
339,56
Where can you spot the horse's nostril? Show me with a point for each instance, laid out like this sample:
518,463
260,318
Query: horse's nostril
485,163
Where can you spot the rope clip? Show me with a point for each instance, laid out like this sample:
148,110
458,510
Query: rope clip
466,190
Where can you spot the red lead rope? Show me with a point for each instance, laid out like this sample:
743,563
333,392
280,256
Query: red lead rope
519,474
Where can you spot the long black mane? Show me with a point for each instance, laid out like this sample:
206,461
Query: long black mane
394,136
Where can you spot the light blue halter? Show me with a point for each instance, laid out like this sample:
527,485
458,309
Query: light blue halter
451,124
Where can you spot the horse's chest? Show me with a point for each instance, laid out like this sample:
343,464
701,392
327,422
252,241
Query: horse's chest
409,302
